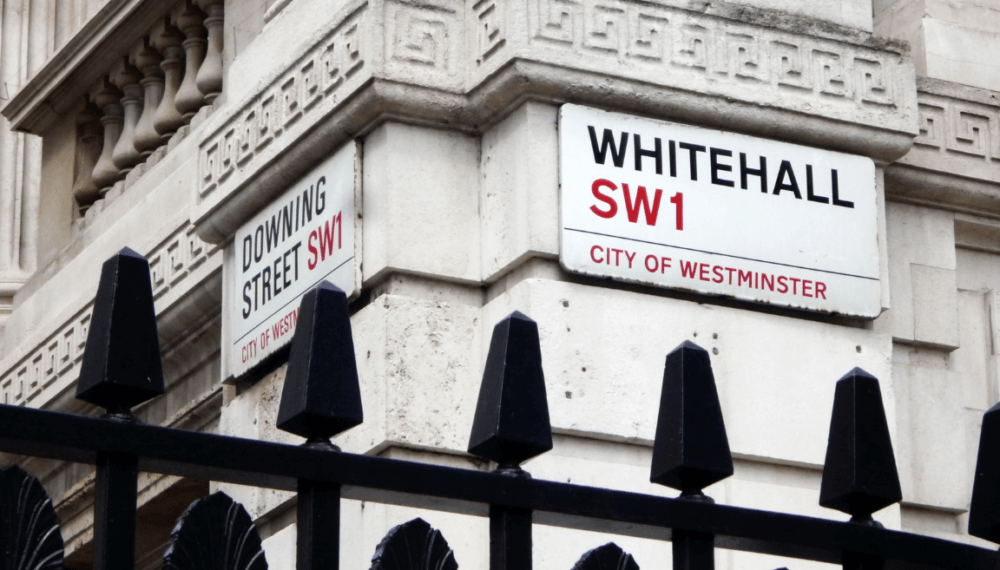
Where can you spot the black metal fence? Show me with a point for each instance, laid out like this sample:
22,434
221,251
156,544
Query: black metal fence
321,397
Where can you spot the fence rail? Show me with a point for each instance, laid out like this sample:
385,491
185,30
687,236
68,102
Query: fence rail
513,501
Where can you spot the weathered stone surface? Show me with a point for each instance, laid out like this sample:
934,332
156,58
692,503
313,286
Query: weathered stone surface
466,65
922,276
955,160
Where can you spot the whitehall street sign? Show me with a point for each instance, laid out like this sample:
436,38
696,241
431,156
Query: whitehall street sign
307,235
719,213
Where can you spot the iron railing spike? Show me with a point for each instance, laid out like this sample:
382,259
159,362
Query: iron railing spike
984,511
511,423
322,395
691,449
122,365
859,474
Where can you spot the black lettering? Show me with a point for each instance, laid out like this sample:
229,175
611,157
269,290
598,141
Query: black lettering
617,154
715,153
673,158
779,184
271,231
320,195
656,154
265,294
247,252
285,267
693,150
287,219
258,244
307,209
812,197
256,292
246,299
836,192
759,172
295,249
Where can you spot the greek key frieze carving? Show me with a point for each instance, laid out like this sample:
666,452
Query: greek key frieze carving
649,36
959,127
59,355
316,76
490,28
703,44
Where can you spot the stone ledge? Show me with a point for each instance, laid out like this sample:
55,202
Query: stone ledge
942,190
838,89
955,159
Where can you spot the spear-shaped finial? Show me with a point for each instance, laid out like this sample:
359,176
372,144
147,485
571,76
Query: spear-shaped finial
512,416
322,396
691,450
859,475
122,363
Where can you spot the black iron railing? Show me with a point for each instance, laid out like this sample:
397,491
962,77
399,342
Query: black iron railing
321,397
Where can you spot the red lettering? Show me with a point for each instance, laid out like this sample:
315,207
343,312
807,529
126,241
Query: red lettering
326,235
806,288
782,285
678,200
664,264
703,272
312,250
655,263
795,285
597,247
821,289
630,258
767,281
718,273
612,205
744,276
641,199
688,269
730,270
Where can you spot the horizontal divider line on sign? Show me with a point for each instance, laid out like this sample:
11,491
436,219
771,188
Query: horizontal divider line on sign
721,254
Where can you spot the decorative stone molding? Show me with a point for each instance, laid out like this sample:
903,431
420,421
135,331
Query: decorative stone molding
125,155
466,64
88,151
58,354
955,160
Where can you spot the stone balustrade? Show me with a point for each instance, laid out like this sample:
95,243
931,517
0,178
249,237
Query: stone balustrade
147,98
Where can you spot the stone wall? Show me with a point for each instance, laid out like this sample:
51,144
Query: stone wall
455,107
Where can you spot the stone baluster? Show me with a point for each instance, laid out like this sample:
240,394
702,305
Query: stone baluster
125,156
189,97
106,172
148,61
168,119
88,152
210,74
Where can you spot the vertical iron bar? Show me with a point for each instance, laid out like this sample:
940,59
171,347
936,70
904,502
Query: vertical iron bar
318,526
510,538
114,511
693,550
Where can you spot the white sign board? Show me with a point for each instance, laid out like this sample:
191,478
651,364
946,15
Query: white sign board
307,235
718,213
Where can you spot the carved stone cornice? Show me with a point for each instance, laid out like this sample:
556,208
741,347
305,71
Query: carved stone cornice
466,64
955,160
64,79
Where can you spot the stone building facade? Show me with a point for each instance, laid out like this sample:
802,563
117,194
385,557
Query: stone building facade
168,126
